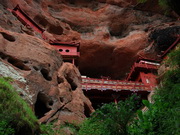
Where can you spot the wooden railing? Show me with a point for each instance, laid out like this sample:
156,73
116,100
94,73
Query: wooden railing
115,85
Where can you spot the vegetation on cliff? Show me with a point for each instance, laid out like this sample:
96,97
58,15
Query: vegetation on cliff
16,117
163,115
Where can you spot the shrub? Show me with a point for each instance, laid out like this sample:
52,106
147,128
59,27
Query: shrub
110,119
47,129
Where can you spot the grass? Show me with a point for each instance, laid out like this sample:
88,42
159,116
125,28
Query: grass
14,111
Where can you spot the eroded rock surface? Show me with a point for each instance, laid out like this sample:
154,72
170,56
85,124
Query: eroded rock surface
112,33
51,87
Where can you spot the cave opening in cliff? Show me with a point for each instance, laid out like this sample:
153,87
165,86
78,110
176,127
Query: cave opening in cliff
72,83
164,38
58,30
41,105
8,37
45,74
87,110
18,63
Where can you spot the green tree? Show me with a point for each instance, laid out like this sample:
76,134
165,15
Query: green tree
110,119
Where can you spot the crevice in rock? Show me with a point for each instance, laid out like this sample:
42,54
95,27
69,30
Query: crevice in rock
41,107
61,99
25,62
51,103
117,30
18,63
59,80
3,56
51,28
163,38
35,68
8,37
14,61
72,83
45,74
66,110
55,29
55,114
87,110
41,20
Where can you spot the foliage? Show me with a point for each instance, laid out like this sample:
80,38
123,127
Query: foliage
48,129
52,129
15,114
110,119
163,115
174,58
5,128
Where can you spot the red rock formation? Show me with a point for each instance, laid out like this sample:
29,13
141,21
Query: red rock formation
112,58
50,86
102,28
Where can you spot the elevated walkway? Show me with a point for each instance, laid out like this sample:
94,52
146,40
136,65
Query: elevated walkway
105,91
115,85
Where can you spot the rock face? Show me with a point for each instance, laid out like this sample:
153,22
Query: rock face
112,33
51,87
